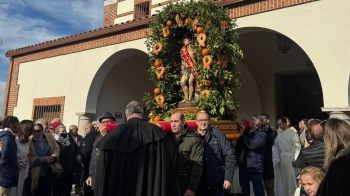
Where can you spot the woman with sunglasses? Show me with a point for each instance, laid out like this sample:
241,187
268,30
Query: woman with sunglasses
22,141
336,159
43,156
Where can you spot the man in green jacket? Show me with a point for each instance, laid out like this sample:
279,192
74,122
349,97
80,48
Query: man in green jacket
187,153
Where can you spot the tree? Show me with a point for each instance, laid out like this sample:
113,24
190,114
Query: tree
221,46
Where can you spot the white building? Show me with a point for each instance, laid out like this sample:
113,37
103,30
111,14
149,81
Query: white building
79,77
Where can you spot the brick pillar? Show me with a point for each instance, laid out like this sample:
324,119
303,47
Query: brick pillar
110,12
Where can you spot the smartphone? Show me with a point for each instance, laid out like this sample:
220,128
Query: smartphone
54,159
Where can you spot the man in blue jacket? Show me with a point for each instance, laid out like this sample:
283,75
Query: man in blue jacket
250,156
218,158
8,158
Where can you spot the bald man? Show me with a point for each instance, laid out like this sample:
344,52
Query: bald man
88,128
78,139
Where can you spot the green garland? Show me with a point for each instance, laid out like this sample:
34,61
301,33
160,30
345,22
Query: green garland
221,104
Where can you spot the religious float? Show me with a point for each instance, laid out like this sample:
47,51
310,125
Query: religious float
193,53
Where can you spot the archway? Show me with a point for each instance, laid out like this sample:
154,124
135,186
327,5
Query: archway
276,75
121,78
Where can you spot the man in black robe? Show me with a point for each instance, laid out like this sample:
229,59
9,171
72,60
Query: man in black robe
135,159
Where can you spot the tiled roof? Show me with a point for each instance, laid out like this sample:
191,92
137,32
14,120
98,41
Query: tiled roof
81,36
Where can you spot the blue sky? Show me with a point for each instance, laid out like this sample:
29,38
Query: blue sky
27,22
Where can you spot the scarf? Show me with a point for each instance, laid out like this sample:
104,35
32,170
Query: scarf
64,141
40,141
56,166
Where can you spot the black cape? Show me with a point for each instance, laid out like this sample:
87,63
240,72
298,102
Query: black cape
87,150
337,179
135,161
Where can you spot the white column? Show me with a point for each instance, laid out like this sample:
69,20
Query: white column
84,119
341,113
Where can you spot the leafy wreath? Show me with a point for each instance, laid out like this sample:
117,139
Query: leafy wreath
216,83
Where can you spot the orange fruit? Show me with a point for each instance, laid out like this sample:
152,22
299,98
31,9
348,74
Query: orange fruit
168,23
222,82
205,51
157,118
199,30
188,20
156,91
206,82
225,23
157,63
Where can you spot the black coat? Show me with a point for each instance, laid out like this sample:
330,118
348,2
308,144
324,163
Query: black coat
135,161
311,156
337,179
68,156
268,164
219,159
86,151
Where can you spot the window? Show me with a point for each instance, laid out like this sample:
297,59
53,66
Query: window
141,10
48,108
48,112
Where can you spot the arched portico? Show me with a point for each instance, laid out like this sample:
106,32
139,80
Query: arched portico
281,84
321,30
121,78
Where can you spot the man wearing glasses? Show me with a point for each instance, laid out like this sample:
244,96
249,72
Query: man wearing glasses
106,118
218,156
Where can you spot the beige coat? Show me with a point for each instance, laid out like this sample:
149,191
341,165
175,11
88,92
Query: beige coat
55,152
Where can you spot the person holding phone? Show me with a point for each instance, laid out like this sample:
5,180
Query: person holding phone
43,155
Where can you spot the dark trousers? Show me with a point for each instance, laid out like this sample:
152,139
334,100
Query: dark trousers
44,186
256,180
62,186
203,189
269,186
88,190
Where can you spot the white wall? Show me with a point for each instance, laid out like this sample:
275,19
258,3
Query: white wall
125,6
123,19
248,95
322,29
160,8
68,75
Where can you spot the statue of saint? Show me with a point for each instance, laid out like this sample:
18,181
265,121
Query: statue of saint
188,74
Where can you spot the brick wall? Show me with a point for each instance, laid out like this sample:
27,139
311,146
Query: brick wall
237,9
110,13
250,7
47,101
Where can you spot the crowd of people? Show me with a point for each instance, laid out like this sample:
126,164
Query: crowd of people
39,159
177,158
